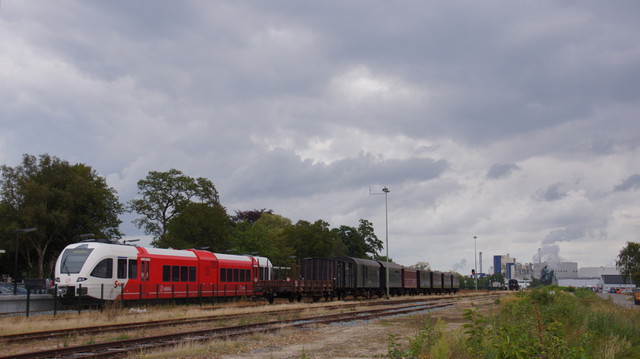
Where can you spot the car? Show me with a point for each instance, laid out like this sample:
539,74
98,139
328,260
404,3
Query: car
636,296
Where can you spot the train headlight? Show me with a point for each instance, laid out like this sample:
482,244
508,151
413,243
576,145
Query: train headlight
81,279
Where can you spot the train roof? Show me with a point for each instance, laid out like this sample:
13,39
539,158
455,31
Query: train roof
390,265
115,247
366,262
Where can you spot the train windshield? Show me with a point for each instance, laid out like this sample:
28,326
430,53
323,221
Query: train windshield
73,259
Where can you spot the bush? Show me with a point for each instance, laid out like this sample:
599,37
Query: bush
543,323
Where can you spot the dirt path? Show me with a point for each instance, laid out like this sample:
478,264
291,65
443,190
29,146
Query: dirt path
364,339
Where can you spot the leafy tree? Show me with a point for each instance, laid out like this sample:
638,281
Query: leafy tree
546,276
311,239
628,262
265,237
353,241
374,245
61,201
197,225
250,216
163,196
360,242
424,266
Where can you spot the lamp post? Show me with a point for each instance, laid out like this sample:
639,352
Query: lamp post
15,264
385,191
475,260
386,235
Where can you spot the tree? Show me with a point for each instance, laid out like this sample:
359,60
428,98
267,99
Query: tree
628,262
197,225
374,245
163,196
423,266
359,242
546,276
353,241
250,216
311,239
61,201
264,237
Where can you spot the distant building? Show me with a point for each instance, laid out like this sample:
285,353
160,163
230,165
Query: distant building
596,272
560,269
500,264
564,269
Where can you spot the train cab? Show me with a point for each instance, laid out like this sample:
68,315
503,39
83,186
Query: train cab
95,269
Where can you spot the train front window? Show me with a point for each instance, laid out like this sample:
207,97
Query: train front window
73,259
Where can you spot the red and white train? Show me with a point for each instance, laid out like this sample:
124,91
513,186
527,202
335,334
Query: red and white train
106,270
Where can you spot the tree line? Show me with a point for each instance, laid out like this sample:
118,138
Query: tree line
63,201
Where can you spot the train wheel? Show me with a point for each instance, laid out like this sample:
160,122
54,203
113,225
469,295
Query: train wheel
270,298
299,297
291,298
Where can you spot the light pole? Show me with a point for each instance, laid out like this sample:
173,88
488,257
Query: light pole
15,264
385,191
475,260
386,234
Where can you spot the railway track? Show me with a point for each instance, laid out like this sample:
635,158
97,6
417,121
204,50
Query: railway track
124,347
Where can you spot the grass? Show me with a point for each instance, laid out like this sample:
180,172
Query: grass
545,323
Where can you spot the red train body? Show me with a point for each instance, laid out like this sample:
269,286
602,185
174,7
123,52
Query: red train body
109,271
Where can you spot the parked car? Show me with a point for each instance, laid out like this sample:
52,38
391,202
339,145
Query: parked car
636,296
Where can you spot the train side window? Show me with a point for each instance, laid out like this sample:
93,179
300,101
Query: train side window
229,275
175,273
192,274
236,276
184,274
166,273
133,268
223,274
122,268
104,269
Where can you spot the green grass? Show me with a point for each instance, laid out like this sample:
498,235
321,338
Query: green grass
547,323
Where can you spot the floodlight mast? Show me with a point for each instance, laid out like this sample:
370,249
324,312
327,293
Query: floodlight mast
385,191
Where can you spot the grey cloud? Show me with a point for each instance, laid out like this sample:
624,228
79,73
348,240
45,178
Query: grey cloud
569,233
501,170
285,173
631,183
551,193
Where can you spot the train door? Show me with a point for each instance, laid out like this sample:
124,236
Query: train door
144,286
215,277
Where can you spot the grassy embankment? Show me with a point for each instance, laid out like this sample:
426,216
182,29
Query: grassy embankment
543,323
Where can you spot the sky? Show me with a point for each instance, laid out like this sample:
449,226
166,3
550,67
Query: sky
515,122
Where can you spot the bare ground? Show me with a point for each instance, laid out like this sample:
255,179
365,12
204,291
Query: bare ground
362,339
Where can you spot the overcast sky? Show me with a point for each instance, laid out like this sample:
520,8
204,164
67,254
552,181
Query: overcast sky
513,121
